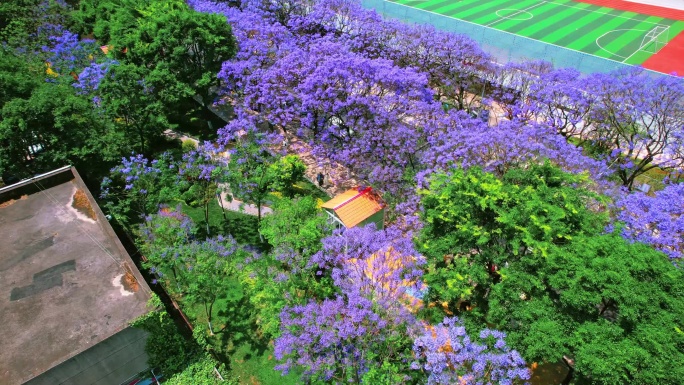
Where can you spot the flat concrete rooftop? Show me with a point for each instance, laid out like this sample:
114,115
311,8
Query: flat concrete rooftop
66,282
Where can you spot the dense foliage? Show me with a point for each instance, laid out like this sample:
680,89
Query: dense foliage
513,236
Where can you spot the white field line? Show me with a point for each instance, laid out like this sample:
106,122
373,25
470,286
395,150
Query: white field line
579,9
652,41
500,31
617,30
510,18
518,12
603,13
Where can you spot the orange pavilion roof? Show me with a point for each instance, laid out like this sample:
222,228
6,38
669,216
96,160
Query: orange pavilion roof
355,205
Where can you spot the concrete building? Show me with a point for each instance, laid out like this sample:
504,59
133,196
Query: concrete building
68,288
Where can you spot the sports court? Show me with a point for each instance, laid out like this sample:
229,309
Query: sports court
631,33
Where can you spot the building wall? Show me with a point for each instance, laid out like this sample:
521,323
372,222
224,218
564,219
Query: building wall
377,218
111,362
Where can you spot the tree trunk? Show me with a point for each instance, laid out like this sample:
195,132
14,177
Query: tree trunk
223,209
209,311
571,372
141,133
206,215
258,202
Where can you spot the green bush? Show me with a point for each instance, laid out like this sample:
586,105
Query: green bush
188,145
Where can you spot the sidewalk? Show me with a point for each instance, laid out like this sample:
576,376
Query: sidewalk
229,202
226,198
338,178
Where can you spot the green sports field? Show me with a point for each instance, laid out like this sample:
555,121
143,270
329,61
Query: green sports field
613,34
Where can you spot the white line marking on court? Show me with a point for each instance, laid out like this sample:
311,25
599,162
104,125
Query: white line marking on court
652,40
617,30
522,10
603,13
501,31
527,14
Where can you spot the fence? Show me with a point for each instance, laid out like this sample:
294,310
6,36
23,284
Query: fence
503,46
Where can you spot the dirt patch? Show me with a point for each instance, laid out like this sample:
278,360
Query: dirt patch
82,204
129,282
11,201
548,373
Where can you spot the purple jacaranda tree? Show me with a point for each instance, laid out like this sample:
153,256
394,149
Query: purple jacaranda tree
206,265
200,169
138,186
90,78
559,101
448,355
359,29
510,144
379,264
260,44
67,53
454,63
249,172
369,322
160,239
513,83
656,220
338,340
363,113
637,121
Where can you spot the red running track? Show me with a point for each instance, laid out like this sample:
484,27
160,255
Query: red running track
645,9
670,58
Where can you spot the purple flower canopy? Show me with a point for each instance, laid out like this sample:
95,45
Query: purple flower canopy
655,220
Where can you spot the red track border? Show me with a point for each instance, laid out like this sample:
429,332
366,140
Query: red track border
670,58
645,9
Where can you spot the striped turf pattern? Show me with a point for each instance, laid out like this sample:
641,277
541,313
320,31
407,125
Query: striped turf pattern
600,31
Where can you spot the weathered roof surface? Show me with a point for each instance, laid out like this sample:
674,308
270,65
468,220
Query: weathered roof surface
355,205
66,282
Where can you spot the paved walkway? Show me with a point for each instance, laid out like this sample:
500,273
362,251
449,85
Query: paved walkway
226,198
229,202
337,177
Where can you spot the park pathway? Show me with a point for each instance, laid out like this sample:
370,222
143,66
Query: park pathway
225,199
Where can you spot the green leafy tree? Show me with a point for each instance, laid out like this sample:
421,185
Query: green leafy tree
525,254
131,99
610,309
54,127
171,37
287,171
99,18
166,348
201,372
476,224
295,224
207,265
19,75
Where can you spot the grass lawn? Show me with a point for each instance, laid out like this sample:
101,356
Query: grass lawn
242,227
304,188
249,359
653,177
251,367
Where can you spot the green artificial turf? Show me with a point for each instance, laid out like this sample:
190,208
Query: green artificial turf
599,31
